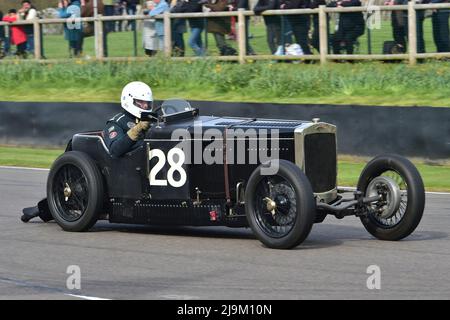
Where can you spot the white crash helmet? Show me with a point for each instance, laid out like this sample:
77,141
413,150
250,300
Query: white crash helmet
136,90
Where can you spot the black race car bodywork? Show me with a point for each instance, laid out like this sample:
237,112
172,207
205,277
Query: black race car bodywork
169,180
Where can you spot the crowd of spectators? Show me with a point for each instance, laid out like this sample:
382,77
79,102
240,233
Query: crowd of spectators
302,29
20,36
281,30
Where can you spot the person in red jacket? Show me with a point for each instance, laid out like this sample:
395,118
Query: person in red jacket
18,35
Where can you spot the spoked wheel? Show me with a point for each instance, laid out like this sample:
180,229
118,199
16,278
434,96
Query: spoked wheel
280,208
276,207
71,192
75,191
402,197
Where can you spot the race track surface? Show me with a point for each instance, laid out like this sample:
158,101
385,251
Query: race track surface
140,262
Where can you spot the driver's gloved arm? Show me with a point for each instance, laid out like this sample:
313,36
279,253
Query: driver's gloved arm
135,132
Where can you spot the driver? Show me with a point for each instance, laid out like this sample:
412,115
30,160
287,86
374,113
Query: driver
125,131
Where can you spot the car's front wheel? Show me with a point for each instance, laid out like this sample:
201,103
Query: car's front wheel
402,197
75,191
280,208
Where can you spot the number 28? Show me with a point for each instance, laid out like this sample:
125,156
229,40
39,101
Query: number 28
174,166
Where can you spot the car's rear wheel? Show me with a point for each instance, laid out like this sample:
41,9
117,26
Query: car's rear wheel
280,208
75,191
400,209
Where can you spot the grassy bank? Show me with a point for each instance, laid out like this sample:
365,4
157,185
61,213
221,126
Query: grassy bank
359,83
436,177
28,157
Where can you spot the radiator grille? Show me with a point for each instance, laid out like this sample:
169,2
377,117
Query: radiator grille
320,161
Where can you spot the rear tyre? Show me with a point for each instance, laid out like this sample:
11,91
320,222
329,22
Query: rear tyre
75,191
280,208
400,210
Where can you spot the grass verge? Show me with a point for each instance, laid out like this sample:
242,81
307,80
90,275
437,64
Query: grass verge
359,83
436,176
28,157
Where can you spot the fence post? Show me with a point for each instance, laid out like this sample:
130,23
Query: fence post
412,33
242,32
167,35
323,35
100,40
37,40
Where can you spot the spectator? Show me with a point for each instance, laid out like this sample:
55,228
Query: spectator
74,33
28,12
196,24
154,9
219,26
315,40
441,27
150,39
420,17
108,11
178,29
87,7
399,21
400,25
119,10
108,26
299,23
273,23
232,6
2,38
2,29
5,31
131,11
18,35
88,30
351,26
243,4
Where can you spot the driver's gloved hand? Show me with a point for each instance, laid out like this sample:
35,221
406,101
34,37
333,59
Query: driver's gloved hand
134,132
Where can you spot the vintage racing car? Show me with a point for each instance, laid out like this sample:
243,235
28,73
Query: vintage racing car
289,184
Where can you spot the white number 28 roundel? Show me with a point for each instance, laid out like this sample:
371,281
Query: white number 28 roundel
175,166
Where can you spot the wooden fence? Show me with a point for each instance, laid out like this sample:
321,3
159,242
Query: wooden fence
324,56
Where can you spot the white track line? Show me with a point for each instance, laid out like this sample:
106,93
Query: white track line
438,193
84,297
24,168
349,188
26,284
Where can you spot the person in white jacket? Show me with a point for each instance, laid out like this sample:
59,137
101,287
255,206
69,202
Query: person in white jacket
153,34
149,37
28,12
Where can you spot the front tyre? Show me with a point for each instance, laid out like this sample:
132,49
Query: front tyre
400,209
280,208
75,191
